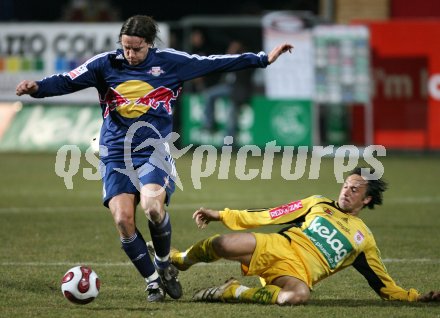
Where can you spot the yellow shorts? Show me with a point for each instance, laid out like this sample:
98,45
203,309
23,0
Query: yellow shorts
274,257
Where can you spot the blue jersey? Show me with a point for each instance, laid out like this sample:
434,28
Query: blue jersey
140,96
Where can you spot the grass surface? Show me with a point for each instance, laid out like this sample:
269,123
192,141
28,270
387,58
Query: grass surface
46,229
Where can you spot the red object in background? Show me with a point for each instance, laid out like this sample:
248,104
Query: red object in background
405,60
401,111
414,9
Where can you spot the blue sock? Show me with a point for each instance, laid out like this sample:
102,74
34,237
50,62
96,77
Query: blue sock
161,237
136,250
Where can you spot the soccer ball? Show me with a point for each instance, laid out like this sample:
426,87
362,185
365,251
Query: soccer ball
80,285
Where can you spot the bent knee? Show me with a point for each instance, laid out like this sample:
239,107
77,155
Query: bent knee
238,246
153,211
293,297
225,246
220,245
154,215
124,221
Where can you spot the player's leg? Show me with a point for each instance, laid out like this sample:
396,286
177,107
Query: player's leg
120,196
122,207
293,291
278,263
274,260
156,178
153,198
285,290
233,246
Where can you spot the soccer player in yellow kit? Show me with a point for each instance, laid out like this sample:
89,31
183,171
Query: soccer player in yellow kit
322,237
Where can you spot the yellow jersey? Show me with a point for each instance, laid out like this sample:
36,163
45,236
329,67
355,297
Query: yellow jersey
327,239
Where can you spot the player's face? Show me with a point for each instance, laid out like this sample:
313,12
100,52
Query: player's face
353,194
135,49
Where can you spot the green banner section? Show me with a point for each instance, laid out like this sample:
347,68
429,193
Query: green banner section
288,122
38,127
48,127
333,245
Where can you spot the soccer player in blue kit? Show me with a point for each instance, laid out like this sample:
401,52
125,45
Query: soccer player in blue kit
138,86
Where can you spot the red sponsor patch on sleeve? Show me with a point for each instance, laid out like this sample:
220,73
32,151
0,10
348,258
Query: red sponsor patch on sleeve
285,209
77,72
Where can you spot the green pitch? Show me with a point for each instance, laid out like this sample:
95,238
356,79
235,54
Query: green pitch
45,229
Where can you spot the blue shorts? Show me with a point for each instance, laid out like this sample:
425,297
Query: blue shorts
118,179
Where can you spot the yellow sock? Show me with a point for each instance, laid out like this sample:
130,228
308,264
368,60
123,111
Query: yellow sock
201,251
261,295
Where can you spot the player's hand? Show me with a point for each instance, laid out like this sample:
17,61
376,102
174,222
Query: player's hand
277,51
26,87
431,296
203,216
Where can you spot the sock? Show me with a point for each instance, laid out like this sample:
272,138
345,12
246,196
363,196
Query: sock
260,295
202,251
136,250
161,237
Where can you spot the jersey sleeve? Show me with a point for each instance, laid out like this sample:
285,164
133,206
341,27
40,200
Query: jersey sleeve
370,265
193,66
284,214
84,76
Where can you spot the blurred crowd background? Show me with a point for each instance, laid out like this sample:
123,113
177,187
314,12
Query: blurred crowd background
363,71
109,10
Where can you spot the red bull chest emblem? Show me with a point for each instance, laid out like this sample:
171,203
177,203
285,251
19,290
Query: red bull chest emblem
132,99
156,71
161,96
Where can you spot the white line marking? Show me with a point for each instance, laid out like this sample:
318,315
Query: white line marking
189,206
418,200
411,260
220,264
53,209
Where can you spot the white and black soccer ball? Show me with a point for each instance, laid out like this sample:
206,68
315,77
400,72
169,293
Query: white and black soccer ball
80,285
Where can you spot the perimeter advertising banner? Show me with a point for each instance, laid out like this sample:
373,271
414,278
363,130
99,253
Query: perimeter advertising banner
7,115
37,127
36,50
292,76
342,64
288,122
406,83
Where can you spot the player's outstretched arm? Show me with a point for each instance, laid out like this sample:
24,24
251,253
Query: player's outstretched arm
277,51
26,87
203,216
431,296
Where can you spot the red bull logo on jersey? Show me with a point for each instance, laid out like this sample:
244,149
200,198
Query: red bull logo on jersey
156,71
113,99
161,96
285,209
132,99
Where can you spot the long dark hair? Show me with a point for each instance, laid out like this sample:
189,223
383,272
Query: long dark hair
376,186
142,26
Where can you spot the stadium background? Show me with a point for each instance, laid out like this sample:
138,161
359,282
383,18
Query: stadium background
390,95
47,228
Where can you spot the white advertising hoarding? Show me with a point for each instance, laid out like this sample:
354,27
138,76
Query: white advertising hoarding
36,50
342,64
292,75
